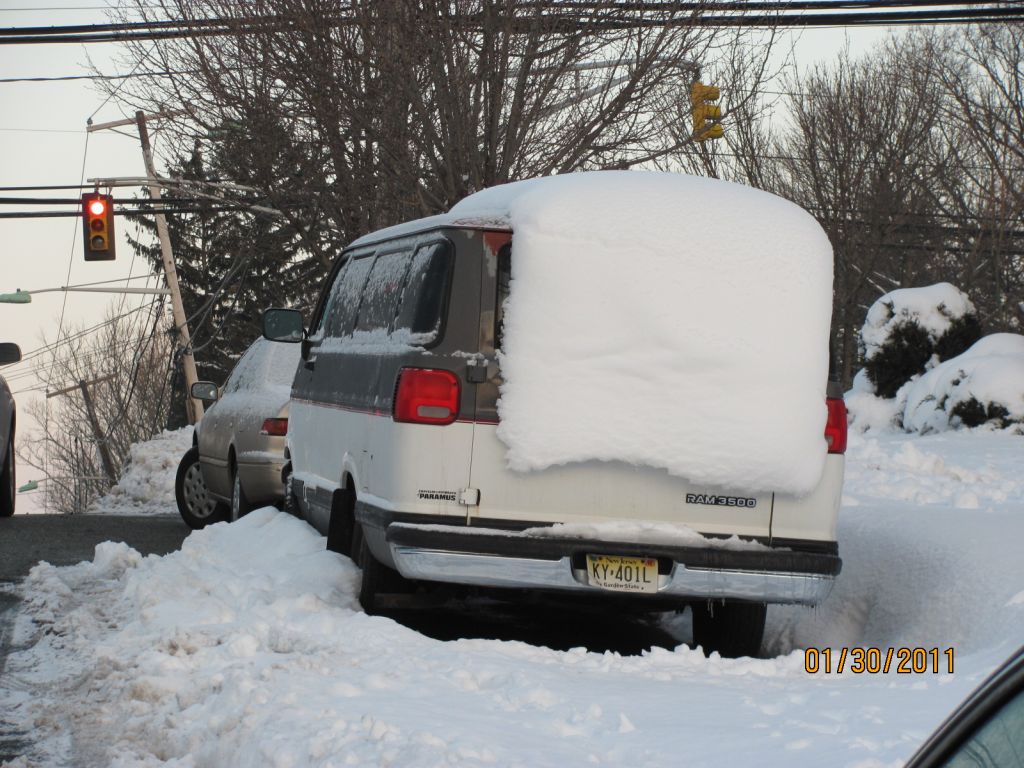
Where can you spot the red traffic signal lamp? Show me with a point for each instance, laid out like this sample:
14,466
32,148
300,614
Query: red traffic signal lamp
98,226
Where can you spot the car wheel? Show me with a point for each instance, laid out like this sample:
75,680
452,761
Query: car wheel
8,485
378,579
197,508
240,505
732,629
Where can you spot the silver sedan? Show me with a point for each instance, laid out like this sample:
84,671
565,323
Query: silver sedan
238,447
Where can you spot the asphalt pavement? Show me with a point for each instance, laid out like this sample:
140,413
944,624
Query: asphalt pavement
64,540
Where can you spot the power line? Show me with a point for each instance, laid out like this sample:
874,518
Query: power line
32,354
570,20
63,78
130,212
47,187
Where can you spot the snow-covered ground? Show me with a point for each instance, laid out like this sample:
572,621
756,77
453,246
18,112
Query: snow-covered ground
247,648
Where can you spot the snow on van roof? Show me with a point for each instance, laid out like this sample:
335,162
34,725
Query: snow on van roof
664,320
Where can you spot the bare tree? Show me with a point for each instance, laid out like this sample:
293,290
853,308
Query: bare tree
126,369
982,72
358,116
858,154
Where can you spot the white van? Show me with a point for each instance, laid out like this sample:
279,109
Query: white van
394,453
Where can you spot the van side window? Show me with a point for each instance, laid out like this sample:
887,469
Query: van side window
331,302
504,277
425,292
340,314
383,290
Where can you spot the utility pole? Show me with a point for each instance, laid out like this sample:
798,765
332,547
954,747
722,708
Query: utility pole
193,407
101,443
94,423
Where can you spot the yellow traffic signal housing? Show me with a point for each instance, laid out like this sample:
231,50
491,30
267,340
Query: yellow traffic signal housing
706,116
98,226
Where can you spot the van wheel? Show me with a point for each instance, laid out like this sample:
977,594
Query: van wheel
342,524
378,580
290,503
732,629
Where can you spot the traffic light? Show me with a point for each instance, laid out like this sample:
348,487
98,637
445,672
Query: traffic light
706,116
98,226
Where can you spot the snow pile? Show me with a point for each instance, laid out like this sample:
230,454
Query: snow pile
146,486
933,308
984,383
643,533
664,320
929,533
866,411
247,648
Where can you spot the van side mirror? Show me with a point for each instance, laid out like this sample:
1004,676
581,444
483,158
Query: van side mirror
280,324
204,390
9,353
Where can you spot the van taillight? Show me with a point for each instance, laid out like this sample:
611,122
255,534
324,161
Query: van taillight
274,427
426,396
835,428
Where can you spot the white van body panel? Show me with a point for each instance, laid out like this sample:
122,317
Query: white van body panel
595,492
417,468
814,517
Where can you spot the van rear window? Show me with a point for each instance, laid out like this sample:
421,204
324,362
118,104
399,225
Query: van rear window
400,292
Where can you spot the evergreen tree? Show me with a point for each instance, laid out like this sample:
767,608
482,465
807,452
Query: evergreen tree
231,265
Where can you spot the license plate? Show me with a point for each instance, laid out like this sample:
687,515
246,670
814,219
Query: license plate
623,574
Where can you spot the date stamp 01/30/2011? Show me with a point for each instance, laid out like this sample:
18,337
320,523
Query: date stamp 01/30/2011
873,661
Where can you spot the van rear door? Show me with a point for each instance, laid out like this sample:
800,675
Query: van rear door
585,492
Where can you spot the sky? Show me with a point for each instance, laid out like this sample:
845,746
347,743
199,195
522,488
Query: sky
43,142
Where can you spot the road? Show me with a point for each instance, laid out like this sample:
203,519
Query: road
64,540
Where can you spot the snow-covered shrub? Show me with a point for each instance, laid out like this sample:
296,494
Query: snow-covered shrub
866,411
906,327
983,385
904,355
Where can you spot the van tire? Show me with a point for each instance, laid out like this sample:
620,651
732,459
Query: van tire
290,504
378,579
733,629
341,526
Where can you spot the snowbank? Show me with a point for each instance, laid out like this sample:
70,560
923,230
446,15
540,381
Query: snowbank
932,307
146,486
664,320
929,533
247,648
990,373
866,411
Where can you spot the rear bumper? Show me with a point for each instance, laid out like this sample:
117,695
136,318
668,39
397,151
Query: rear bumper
261,478
509,559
